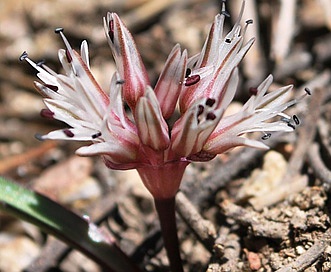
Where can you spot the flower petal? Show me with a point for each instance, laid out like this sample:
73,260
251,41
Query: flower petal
116,152
127,58
223,54
70,134
84,53
84,78
254,116
152,128
169,84
191,131
227,143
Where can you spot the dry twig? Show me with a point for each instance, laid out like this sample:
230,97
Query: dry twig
284,30
10,163
296,61
254,64
202,228
49,257
318,166
258,224
297,184
310,256
228,246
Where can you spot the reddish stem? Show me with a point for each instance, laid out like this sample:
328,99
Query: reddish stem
166,211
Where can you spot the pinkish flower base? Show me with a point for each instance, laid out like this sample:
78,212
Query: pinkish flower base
163,181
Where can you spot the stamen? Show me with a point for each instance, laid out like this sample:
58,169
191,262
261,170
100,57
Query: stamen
39,137
69,50
96,135
200,110
58,30
248,22
210,116
253,91
47,69
52,87
40,63
191,80
291,125
308,91
225,13
188,72
210,102
111,31
23,56
296,120
289,122
227,40
46,113
68,133
285,118
201,156
69,58
266,136
120,81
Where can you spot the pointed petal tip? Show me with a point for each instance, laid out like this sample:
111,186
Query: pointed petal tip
253,143
152,128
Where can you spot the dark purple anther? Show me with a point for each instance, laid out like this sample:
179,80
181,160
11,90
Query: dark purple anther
46,113
210,116
96,135
308,91
188,72
52,87
253,91
120,82
23,56
200,110
227,40
201,156
111,31
250,21
68,133
266,136
296,120
69,58
191,80
291,125
210,102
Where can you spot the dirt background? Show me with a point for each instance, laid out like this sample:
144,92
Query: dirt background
247,210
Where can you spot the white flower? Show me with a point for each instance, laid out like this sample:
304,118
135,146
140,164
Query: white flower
203,86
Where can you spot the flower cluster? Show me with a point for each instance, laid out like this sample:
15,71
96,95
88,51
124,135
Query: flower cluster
128,126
